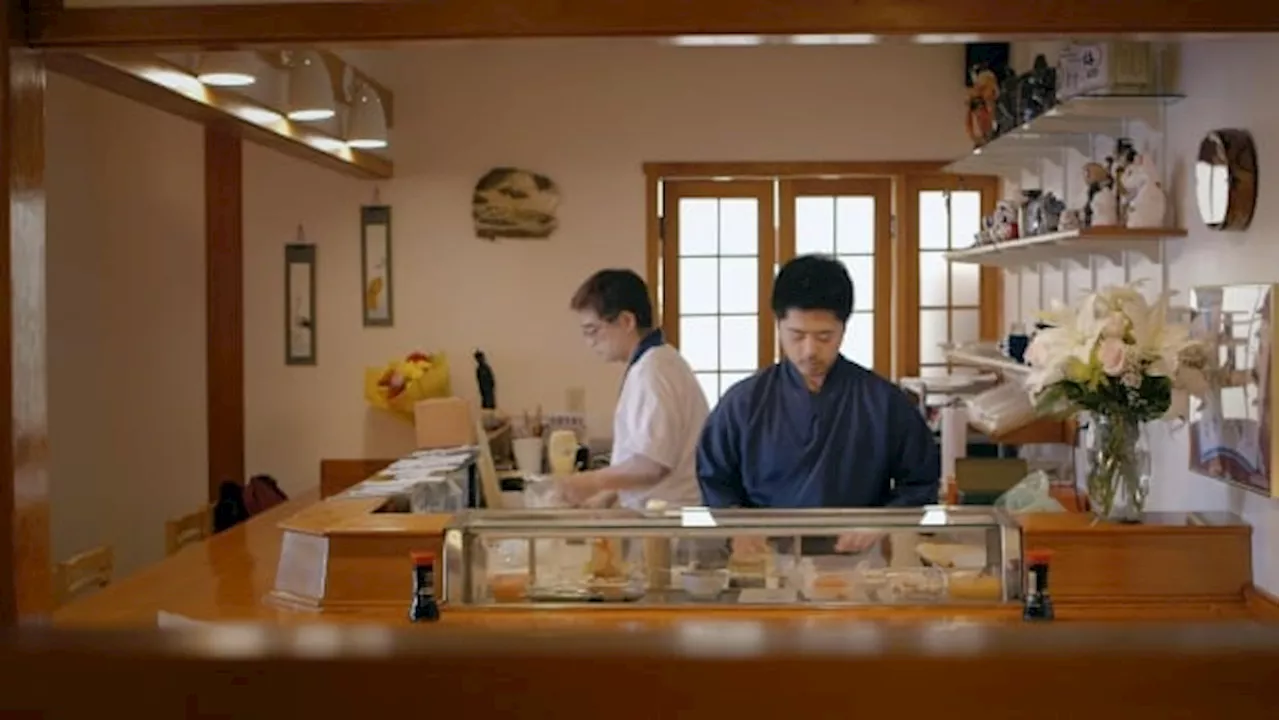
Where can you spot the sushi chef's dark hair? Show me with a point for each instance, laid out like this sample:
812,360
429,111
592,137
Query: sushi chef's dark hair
813,282
612,292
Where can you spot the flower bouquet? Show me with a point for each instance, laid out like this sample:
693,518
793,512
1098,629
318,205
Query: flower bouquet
402,383
1116,357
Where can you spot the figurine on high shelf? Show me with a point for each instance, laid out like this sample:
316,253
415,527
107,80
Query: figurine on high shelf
1145,202
1101,208
980,122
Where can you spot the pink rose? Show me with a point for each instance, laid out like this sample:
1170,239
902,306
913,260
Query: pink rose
1115,326
1111,353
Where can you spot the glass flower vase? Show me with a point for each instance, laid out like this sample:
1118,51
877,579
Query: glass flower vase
1119,474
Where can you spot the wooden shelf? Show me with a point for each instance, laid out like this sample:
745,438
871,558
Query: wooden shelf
1069,245
1069,126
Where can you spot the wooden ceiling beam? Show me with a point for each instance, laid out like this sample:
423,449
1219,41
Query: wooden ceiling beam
218,108
230,26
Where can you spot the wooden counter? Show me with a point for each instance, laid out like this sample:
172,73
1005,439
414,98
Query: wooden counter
231,576
698,669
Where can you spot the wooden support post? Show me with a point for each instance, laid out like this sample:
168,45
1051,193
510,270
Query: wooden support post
224,304
25,562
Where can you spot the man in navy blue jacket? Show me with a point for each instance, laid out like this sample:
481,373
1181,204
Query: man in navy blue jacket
816,430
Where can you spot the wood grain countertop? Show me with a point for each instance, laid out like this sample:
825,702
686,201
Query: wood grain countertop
230,576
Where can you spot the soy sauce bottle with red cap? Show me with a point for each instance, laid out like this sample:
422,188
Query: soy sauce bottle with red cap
1037,603
424,607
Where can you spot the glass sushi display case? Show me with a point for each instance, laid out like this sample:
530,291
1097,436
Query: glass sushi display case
698,556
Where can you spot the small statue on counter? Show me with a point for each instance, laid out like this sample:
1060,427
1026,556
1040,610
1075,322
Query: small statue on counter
1147,203
1125,155
485,381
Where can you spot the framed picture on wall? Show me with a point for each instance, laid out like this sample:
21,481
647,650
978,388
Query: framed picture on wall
375,265
1233,417
300,304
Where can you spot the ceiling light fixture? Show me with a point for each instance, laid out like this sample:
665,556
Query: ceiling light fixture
367,129
236,69
311,89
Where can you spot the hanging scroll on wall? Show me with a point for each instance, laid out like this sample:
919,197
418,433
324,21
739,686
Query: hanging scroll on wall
300,303
375,266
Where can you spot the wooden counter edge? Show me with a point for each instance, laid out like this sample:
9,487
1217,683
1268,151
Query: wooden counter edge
1140,672
1262,604
1085,524
358,516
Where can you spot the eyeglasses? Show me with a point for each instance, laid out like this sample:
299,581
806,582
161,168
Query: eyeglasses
592,329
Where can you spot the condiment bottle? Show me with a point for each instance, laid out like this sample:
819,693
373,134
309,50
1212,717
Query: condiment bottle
424,606
1037,603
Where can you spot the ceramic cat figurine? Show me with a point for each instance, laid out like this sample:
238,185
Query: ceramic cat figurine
1147,202
1104,208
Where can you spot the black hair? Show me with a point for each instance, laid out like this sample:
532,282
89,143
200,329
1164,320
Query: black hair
612,292
813,282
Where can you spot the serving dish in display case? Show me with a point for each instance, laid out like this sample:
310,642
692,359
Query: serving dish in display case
698,556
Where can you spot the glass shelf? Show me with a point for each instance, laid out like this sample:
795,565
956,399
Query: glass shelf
1068,126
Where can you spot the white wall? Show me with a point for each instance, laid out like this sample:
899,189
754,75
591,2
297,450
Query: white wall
1230,84
126,322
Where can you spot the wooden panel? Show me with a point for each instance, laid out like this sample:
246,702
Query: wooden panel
224,305
26,592
215,111
338,475
718,670
1162,558
222,26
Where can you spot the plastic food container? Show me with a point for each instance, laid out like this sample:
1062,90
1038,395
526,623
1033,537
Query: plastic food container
704,584
509,587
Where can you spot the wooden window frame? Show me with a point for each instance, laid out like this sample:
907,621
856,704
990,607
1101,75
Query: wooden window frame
759,190
902,287
879,188
907,280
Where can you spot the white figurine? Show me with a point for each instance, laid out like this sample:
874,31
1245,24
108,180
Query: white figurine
1105,208
1147,205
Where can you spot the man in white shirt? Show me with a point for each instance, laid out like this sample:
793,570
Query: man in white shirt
660,411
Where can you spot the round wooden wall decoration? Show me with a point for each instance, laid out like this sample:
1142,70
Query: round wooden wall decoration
1227,179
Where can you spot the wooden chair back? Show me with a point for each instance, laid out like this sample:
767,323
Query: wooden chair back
187,529
82,573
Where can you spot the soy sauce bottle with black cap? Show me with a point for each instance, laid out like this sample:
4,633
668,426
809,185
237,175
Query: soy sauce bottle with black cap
1037,603
424,607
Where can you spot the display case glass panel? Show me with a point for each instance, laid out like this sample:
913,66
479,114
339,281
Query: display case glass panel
698,556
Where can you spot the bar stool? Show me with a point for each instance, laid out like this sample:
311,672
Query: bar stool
187,529
79,574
